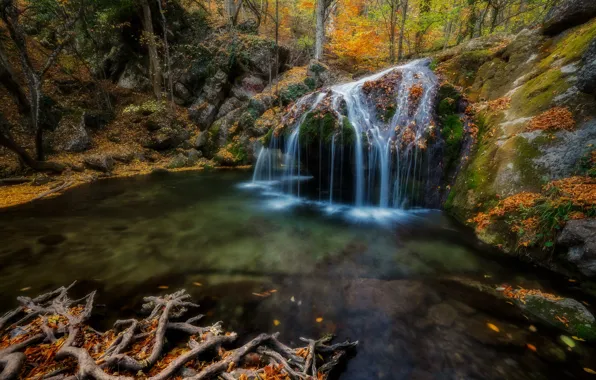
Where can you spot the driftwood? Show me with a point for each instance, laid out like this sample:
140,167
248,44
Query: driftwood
54,190
47,338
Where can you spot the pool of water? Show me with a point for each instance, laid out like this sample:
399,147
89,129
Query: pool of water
393,280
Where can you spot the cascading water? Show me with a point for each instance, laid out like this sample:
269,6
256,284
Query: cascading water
379,125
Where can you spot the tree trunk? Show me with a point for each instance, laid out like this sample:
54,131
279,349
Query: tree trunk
424,10
8,80
400,51
320,30
392,25
154,64
9,143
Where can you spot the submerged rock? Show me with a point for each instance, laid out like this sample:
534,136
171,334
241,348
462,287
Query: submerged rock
579,236
565,313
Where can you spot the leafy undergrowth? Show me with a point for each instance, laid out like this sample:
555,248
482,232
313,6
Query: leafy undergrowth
537,218
556,118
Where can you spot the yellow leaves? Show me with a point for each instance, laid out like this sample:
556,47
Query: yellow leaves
532,328
25,289
568,341
578,338
319,320
531,347
276,322
493,327
197,284
590,371
163,287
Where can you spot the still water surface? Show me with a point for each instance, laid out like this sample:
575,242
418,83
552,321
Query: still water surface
392,280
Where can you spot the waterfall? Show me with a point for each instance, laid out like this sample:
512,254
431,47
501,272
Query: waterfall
383,122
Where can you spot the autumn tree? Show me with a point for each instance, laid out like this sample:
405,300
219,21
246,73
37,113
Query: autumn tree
322,13
64,16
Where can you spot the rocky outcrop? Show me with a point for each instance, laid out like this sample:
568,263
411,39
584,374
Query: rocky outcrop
70,136
579,239
567,14
520,83
167,138
204,110
586,76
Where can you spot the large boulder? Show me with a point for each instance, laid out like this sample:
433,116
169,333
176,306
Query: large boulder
70,136
586,77
567,14
167,138
204,110
134,78
100,162
579,237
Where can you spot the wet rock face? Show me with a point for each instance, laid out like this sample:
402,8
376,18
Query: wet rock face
567,14
204,110
579,237
586,77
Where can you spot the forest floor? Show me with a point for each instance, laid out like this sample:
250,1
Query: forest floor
18,194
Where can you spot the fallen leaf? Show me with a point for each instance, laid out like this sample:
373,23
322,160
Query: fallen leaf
163,287
590,371
319,320
273,291
197,284
493,327
293,299
25,289
572,280
533,328
276,322
531,347
578,338
568,341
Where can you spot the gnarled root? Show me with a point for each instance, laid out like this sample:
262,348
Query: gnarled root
51,336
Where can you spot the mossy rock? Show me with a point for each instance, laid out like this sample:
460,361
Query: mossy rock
453,135
293,92
316,127
537,94
581,322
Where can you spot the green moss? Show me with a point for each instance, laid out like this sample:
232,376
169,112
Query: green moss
571,47
314,128
449,202
453,134
317,68
266,140
525,153
311,83
537,94
348,133
293,92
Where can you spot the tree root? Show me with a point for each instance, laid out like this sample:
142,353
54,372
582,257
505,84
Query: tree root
50,340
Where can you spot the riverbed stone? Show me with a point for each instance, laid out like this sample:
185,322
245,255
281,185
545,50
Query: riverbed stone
550,310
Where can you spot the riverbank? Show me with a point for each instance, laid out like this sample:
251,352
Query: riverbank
41,186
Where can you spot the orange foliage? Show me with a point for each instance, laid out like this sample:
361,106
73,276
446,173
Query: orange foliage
580,191
554,119
506,206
